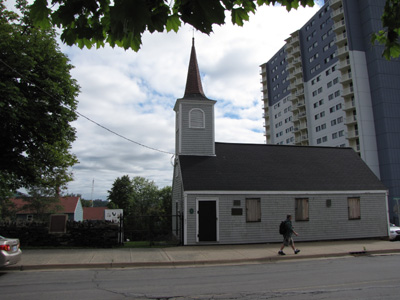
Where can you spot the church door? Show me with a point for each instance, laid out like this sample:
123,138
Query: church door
207,221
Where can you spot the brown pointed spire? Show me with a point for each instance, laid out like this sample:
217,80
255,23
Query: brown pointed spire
193,81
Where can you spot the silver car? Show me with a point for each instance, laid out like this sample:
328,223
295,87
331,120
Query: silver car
10,253
394,232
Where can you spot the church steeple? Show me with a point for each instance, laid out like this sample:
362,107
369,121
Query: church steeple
194,132
194,87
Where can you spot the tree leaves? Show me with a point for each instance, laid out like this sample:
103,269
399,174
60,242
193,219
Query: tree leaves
40,13
122,22
38,102
389,36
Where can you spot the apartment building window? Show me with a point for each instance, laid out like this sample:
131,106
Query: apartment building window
354,208
340,120
337,94
253,210
333,122
322,140
320,115
339,106
318,103
334,135
301,209
289,140
341,133
336,80
320,127
332,109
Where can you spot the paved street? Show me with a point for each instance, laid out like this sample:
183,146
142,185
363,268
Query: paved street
349,277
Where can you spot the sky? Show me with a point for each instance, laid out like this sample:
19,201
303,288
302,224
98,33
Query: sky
133,94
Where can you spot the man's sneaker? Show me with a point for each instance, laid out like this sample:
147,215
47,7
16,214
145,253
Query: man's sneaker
281,253
296,251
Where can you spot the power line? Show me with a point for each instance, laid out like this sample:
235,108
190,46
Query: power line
83,116
121,136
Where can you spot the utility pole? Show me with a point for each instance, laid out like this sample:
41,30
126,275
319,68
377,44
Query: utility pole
91,197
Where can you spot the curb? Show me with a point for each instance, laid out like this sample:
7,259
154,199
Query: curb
122,265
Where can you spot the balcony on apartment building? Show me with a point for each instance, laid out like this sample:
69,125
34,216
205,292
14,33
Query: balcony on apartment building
344,63
339,26
348,91
341,39
335,3
346,78
350,120
349,105
337,14
301,139
342,50
352,134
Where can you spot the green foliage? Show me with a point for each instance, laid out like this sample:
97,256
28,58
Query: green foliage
139,196
37,104
122,22
389,36
121,194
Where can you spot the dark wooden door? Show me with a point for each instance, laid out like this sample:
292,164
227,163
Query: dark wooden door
207,221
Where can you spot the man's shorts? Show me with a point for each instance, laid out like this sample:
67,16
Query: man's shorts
287,241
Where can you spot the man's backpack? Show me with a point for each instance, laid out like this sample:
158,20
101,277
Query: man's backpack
282,228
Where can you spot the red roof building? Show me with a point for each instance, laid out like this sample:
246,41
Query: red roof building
71,206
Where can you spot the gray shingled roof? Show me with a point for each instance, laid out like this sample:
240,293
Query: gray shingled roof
261,167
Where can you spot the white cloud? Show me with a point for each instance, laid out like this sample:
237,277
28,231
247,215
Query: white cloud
133,94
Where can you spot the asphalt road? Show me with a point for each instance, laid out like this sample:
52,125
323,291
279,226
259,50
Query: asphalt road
364,277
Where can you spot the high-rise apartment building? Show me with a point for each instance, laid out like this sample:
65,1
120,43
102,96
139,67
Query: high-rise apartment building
329,86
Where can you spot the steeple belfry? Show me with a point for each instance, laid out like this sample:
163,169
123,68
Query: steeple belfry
193,81
194,132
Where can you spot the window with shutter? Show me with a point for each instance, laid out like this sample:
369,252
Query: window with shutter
301,209
354,208
253,210
196,118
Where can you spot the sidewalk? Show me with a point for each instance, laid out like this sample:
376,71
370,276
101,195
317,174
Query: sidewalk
39,259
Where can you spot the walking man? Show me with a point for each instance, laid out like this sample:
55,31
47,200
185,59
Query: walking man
287,236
